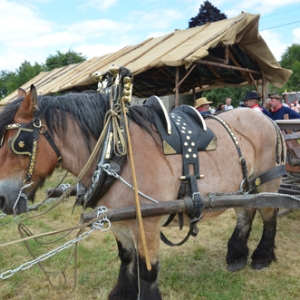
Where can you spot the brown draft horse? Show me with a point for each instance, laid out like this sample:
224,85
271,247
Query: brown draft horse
75,121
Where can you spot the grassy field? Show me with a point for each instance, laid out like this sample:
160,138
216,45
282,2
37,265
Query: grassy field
196,270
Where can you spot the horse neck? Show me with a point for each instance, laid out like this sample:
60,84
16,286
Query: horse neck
74,151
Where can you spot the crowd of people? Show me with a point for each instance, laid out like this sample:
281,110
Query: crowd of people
274,106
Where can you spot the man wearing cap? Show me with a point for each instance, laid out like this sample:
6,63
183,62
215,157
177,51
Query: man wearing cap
251,100
278,110
202,105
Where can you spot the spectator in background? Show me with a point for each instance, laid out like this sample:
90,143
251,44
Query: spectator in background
267,104
278,110
220,108
293,107
203,105
251,100
228,104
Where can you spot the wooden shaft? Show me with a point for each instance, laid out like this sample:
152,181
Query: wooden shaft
186,204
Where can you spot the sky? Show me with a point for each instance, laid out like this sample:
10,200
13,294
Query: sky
32,30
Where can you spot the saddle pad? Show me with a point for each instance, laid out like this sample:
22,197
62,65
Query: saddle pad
187,132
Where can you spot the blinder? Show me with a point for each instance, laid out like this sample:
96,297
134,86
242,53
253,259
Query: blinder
25,142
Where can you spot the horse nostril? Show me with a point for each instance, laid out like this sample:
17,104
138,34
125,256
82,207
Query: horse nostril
2,202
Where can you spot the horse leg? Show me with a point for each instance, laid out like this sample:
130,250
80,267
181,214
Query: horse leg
134,280
237,245
264,254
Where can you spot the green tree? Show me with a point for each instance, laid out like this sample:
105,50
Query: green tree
290,59
207,13
63,59
10,81
5,80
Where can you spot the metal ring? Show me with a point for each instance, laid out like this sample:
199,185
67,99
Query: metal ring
37,125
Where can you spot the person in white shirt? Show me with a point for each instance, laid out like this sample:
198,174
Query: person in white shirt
228,104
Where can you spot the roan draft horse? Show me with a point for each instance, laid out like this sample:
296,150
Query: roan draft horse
44,131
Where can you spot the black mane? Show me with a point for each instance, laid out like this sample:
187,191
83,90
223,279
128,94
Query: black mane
87,109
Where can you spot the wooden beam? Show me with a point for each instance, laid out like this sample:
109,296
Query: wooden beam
214,71
254,83
237,65
226,55
186,205
177,87
185,76
211,63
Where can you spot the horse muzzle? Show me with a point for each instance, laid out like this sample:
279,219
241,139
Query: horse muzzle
9,209
11,201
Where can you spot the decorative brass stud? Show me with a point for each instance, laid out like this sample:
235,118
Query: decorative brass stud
21,144
257,181
127,80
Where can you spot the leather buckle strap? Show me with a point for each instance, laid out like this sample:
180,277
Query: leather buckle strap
269,175
51,142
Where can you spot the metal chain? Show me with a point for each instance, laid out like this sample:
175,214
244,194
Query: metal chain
212,196
278,194
102,224
106,168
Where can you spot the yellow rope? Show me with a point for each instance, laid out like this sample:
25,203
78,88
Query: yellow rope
137,203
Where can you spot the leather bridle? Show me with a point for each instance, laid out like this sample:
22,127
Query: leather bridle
25,142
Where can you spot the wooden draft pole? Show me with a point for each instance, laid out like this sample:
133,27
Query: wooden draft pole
186,205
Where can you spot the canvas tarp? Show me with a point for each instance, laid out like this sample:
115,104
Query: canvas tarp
154,62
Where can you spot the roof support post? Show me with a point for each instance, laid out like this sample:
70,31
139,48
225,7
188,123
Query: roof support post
177,87
263,89
194,96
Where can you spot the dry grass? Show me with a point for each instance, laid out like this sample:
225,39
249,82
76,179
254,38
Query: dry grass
196,270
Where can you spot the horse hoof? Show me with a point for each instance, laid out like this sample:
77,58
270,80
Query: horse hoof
259,266
236,265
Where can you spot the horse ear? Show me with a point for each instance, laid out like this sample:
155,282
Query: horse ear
34,99
29,104
21,93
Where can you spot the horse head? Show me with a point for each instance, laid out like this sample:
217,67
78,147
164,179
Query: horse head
26,158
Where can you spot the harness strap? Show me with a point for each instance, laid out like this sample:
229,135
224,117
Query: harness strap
269,175
189,203
51,142
33,154
236,143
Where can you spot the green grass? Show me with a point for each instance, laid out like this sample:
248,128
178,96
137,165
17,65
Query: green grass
196,270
